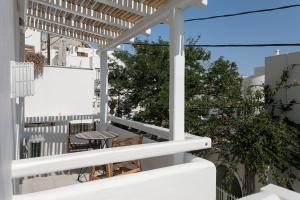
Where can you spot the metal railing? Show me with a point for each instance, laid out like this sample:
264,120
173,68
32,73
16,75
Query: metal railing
223,195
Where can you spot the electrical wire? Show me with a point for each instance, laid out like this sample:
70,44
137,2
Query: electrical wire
53,43
244,13
223,45
236,45
230,15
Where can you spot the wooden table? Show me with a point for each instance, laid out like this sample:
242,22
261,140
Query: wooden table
100,137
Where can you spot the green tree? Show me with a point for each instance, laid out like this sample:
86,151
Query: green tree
143,84
239,122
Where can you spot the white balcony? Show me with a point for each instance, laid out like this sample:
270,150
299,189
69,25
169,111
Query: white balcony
165,169
195,175
169,172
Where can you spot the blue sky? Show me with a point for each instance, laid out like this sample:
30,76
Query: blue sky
273,27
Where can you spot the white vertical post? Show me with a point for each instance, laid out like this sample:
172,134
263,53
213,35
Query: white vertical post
20,118
20,105
177,71
103,90
7,53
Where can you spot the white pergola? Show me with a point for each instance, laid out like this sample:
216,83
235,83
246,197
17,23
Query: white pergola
110,23
107,23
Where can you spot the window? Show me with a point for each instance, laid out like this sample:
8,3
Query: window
82,54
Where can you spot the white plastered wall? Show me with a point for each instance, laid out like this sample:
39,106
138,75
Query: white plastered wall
62,91
33,38
274,68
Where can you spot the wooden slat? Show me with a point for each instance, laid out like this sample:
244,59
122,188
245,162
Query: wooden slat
74,7
96,135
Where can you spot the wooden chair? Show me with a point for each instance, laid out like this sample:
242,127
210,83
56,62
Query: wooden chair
73,129
121,168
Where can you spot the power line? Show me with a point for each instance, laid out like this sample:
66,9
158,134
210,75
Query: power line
224,45
244,13
53,43
246,45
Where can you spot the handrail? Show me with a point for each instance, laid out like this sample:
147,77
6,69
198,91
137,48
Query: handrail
139,183
154,130
281,192
61,119
34,166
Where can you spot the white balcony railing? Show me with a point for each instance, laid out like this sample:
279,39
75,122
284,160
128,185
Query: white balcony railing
160,182
54,129
193,180
34,166
154,130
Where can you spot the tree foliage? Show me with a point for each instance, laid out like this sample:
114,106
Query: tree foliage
242,128
39,61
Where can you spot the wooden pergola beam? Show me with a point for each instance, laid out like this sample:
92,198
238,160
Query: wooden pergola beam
70,24
160,15
131,6
67,33
86,13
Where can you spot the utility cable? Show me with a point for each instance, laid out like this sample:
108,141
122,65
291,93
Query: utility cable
244,13
223,45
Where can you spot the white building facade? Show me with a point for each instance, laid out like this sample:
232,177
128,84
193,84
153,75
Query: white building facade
271,75
63,89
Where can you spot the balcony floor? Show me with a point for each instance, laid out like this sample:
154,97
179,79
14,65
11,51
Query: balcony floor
49,181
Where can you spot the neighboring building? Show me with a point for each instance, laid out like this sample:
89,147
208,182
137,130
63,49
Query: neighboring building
33,39
275,65
257,80
71,80
271,75
70,61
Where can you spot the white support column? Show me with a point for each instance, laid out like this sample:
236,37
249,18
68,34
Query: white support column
177,71
19,102
7,53
103,90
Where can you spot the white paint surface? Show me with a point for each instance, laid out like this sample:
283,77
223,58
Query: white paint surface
273,192
192,181
103,90
274,68
41,165
261,196
33,38
8,52
177,72
283,193
257,80
62,91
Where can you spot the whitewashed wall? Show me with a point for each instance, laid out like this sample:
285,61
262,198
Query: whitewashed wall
274,68
75,61
33,38
193,179
255,80
62,91
8,52
92,61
